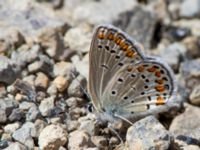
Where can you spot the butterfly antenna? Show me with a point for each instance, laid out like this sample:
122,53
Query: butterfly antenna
82,88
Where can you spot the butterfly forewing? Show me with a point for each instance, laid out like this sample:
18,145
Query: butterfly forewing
110,50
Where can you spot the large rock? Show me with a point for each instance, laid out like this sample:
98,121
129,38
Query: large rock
187,123
78,139
148,133
52,137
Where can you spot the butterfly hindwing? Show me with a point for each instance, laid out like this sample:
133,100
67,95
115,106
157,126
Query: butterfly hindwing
145,86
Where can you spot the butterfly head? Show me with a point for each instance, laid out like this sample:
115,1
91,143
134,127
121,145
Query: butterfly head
106,114
90,108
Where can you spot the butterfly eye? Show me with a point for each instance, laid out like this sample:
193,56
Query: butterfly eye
90,108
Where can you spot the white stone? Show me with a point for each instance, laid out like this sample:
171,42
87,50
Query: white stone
52,137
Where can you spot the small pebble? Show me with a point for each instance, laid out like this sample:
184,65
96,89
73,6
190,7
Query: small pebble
41,80
99,141
46,106
16,115
61,83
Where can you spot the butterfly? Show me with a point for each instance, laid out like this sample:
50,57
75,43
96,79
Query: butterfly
123,81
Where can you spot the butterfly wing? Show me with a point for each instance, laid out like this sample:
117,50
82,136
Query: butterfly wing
121,79
110,50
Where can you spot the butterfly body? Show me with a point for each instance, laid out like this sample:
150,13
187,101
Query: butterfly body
123,82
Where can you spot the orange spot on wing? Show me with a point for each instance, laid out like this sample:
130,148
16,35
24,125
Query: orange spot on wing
130,53
160,88
118,40
159,81
111,36
160,101
152,69
140,68
122,44
129,69
158,74
101,35
125,47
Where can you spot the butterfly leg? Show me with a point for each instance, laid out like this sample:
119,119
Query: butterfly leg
115,132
